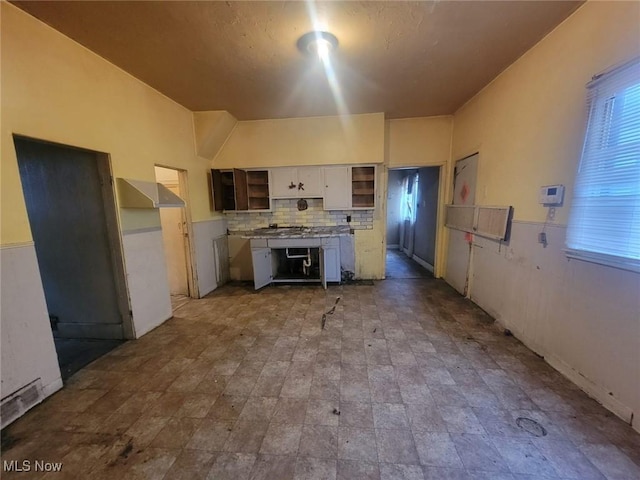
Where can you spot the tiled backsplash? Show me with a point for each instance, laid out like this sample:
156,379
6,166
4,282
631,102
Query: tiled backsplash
285,213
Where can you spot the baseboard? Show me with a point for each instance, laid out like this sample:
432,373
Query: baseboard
420,261
393,247
594,391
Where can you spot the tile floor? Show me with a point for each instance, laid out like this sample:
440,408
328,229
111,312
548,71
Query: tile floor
407,381
398,265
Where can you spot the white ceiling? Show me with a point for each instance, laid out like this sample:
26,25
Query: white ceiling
406,59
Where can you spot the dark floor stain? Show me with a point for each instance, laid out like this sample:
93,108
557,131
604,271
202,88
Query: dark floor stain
531,426
126,450
7,441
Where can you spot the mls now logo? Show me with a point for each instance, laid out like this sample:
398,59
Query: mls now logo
28,466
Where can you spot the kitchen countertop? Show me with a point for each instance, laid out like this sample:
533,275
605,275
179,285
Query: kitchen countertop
294,232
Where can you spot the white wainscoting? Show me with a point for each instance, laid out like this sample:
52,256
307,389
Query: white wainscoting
28,353
582,317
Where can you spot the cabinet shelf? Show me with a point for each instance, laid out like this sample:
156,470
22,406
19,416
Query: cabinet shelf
363,187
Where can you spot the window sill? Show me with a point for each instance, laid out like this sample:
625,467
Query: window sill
621,263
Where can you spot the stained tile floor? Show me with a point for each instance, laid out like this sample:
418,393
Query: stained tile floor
407,381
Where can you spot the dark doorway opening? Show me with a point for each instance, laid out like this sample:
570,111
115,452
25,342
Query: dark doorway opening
71,208
412,209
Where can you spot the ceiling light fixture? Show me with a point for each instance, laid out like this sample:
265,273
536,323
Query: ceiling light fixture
319,43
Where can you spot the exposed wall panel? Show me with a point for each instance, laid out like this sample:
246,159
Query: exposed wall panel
147,279
204,233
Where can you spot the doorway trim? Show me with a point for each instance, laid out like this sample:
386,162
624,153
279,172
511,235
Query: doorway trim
190,253
438,267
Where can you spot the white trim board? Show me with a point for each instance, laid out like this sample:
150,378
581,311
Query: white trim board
423,263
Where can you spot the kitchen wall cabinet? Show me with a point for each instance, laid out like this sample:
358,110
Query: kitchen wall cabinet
296,182
349,188
240,190
337,188
363,187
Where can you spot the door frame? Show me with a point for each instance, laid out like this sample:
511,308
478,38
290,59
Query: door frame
440,249
114,231
189,248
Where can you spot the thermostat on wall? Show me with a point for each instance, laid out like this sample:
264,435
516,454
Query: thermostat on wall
551,195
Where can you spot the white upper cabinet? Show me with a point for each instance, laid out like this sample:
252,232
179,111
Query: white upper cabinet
337,188
311,180
296,182
284,182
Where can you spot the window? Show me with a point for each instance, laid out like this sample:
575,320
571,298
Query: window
604,223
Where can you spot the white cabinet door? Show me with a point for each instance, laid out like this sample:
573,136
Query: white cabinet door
323,271
337,188
311,180
281,180
332,264
261,267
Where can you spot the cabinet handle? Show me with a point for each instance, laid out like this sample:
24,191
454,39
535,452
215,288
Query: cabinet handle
301,186
292,186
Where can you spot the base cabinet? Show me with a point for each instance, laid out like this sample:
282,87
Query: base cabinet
295,260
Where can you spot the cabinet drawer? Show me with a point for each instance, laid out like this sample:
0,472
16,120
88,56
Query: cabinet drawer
258,242
293,242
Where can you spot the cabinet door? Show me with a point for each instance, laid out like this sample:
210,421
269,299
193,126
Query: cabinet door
281,180
240,185
216,189
311,180
337,188
261,267
332,264
323,270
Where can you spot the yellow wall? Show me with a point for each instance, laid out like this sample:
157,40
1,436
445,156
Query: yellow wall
56,90
528,124
421,141
304,141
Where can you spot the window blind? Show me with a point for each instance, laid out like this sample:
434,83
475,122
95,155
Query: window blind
604,222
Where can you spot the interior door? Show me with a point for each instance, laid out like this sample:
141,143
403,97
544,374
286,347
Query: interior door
262,267
63,190
460,243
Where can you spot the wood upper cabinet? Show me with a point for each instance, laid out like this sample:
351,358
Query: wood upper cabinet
240,189
296,182
363,187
